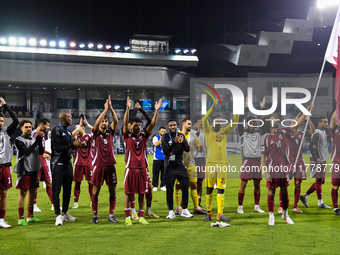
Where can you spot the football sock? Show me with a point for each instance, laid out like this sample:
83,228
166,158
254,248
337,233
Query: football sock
95,204
220,203
148,198
194,197
177,197
208,201
199,200
257,198
285,201
76,191
310,191
270,203
334,199
320,202
148,209
141,213
297,193
21,213
240,198
2,214
29,211
318,188
127,212
49,193
280,196
112,204
35,196
90,188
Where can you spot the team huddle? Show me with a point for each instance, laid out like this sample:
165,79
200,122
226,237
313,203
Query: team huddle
185,158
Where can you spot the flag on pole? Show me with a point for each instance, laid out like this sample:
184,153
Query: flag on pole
333,56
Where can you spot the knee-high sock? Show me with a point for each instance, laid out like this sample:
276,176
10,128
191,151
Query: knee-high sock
95,204
113,200
49,193
90,188
240,198
208,201
270,203
297,193
285,201
148,197
220,203
21,213
257,198
335,198
318,188
35,196
177,197
311,189
29,211
2,214
76,191
280,196
194,197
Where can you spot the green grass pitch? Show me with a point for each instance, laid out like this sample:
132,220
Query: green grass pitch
315,231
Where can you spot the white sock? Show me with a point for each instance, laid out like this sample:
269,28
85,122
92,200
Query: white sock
240,206
334,210
271,215
284,213
305,195
148,209
127,217
256,206
133,210
320,201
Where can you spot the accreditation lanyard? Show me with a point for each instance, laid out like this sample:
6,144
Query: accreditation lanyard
66,133
172,156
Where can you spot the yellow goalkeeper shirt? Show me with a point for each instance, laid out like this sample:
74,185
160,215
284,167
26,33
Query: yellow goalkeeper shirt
216,142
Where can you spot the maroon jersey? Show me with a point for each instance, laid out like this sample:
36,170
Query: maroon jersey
103,148
82,155
35,133
136,149
335,136
273,146
293,142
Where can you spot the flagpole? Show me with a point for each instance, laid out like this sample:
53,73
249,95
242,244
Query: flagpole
304,133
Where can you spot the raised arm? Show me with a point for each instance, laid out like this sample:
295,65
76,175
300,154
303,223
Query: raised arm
205,122
114,115
87,124
11,128
155,116
311,127
146,116
126,116
77,130
301,119
101,116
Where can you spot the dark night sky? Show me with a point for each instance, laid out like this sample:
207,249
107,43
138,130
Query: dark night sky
191,23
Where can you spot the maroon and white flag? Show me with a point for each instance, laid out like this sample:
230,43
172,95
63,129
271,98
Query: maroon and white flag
332,56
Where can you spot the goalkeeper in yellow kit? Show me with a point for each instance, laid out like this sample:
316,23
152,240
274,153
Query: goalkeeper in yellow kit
216,160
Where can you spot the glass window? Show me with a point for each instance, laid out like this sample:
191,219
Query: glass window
67,103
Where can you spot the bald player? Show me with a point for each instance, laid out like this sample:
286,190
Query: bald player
62,171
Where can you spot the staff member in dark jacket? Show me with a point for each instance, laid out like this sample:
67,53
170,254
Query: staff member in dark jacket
6,153
29,164
173,145
62,172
